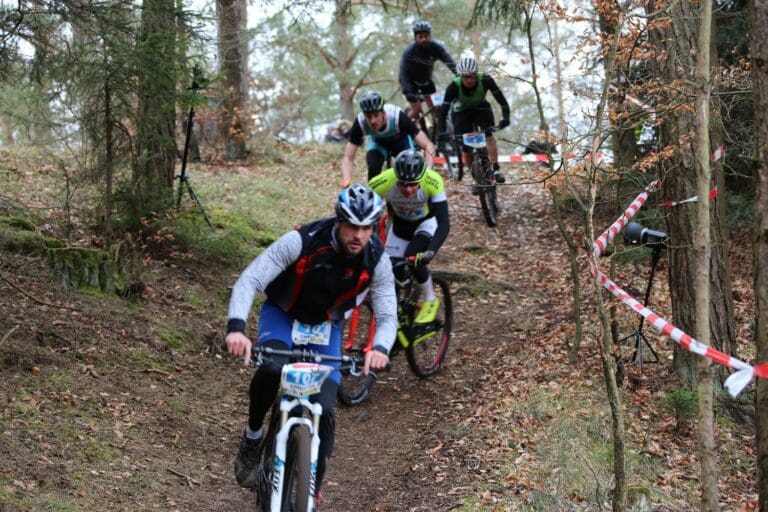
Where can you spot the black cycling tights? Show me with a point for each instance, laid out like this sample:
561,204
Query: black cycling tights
264,386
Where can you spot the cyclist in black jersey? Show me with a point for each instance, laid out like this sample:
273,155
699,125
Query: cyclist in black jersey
311,276
418,63
388,130
471,108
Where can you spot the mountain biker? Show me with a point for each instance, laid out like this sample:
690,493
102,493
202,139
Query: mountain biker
389,131
471,108
311,276
416,196
418,63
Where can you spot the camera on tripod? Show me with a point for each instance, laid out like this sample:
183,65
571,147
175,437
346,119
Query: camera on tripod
637,234
199,80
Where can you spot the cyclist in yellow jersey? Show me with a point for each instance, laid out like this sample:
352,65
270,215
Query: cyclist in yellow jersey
416,196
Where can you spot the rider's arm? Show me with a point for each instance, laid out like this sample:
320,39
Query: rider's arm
444,56
490,85
384,303
429,149
439,209
403,74
346,164
451,93
256,277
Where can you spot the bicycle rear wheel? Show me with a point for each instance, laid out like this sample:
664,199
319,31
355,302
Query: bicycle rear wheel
296,479
358,334
429,344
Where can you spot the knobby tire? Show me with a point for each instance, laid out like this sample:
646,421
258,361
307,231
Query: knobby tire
426,357
296,484
354,389
487,190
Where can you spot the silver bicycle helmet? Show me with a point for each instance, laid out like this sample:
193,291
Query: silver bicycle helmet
371,101
466,66
359,205
410,166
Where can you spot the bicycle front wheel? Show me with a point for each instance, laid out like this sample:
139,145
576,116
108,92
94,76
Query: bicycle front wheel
427,349
358,335
481,170
298,458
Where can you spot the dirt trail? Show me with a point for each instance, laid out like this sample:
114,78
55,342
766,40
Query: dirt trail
117,421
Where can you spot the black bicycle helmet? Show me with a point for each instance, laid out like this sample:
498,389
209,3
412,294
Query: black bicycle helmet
421,27
410,166
371,101
359,205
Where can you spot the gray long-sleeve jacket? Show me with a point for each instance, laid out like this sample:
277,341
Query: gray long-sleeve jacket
285,251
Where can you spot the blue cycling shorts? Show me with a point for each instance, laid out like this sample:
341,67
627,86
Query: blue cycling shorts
276,324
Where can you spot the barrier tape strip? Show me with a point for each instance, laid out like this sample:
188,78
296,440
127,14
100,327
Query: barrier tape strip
642,104
692,199
744,373
517,158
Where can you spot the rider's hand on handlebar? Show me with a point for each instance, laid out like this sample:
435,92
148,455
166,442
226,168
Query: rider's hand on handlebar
503,124
375,360
238,344
423,258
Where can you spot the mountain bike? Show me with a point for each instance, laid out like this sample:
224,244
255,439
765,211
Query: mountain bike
482,173
427,120
425,345
287,472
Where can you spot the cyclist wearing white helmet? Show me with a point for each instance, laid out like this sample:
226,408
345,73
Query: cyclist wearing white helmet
388,130
420,223
470,108
418,63
311,276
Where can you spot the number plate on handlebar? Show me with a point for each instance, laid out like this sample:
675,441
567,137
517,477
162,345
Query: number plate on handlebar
303,379
474,139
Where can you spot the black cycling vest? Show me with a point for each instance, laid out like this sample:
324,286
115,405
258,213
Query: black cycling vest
323,283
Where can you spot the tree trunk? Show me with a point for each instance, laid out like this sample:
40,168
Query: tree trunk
678,49
759,58
156,125
6,132
342,46
707,444
232,66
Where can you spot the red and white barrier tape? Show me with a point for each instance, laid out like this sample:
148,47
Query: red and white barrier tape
693,199
633,100
744,372
514,158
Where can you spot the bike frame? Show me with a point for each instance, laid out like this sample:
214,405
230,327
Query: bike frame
298,381
277,476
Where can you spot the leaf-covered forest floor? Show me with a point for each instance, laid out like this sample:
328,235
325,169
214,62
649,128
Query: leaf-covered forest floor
119,406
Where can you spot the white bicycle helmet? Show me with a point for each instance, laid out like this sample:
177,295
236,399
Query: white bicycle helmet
466,66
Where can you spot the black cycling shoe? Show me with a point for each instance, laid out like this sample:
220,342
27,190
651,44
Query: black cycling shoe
247,462
474,190
499,177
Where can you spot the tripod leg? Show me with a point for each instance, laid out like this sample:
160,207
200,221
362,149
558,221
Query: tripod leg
200,205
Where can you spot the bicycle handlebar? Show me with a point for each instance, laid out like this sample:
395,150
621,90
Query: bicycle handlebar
258,352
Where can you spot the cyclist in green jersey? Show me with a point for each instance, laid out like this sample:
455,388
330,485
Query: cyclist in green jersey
416,196
470,108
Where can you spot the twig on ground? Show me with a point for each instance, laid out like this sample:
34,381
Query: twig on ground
190,480
8,334
35,299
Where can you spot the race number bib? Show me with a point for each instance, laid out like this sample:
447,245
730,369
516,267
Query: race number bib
306,334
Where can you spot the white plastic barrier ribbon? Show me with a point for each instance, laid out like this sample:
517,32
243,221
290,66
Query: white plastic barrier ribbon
737,381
